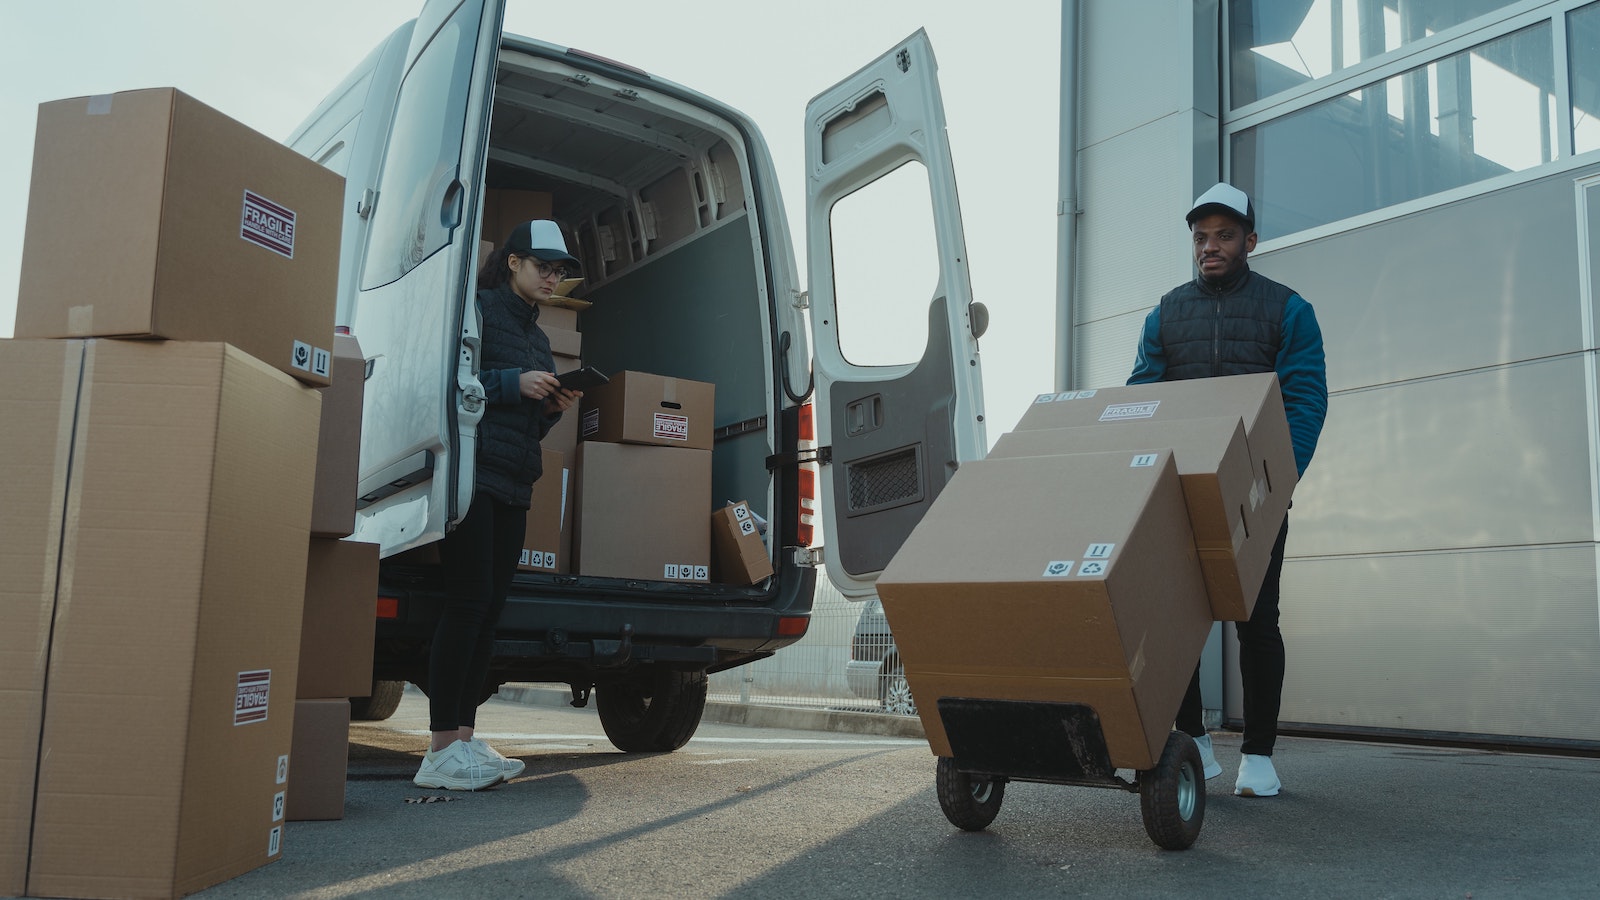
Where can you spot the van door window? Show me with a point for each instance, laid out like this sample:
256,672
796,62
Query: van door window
419,198
885,268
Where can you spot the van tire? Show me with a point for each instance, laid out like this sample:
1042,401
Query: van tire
655,711
381,705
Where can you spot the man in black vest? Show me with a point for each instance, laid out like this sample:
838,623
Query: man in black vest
1232,321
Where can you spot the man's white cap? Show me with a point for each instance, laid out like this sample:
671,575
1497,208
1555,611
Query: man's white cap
1223,198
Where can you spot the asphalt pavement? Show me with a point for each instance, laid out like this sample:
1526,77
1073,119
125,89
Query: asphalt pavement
780,807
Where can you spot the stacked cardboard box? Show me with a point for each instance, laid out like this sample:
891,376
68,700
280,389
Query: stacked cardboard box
1117,525
741,556
644,479
549,529
152,557
147,566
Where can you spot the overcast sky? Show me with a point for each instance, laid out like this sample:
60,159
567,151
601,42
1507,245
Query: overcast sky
269,64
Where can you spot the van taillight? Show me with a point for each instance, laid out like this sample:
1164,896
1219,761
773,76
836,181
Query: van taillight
808,478
388,607
792,626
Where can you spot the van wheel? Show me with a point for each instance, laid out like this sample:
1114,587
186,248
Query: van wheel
381,705
652,712
970,802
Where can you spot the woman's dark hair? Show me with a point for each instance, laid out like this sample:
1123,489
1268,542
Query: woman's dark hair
496,269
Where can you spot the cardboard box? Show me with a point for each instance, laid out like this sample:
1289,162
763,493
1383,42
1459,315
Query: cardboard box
1072,579
547,514
563,438
189,490
485,250
38,396
199,229
1255,399
321,757
641,408
641,512
551,316
563,341
740,555
337,627
1215,469
505,209
333,501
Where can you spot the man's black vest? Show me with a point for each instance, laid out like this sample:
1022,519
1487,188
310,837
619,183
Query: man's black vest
508,436
1232,330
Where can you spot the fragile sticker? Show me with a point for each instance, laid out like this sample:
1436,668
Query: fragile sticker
311,359
321,362
1118,412
283,768
277,806
741,512
671,428
1099,551
1059,568
274,840
250,698
1142,461
538,559
747,527
266,224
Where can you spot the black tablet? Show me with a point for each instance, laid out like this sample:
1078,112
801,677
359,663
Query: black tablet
582,379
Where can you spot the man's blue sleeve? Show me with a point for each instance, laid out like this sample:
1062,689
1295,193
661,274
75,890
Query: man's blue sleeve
1151,364
1303,378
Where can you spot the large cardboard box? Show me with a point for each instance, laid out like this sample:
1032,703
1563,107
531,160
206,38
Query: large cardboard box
642,512
152,215
542,547
1218,487
333,502
563,438
321,757
187,501
740,555
337,627
1071,579
38,396
642,408
1255,399
506,208
553,316
563,341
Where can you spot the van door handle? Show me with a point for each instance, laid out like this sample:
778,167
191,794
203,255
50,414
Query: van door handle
451,204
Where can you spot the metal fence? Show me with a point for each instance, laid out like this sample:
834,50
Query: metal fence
812,672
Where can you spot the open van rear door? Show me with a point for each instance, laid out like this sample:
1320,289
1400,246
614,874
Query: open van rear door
414,313
891,433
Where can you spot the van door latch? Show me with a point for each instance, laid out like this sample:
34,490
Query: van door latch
800,299
369,199
820,455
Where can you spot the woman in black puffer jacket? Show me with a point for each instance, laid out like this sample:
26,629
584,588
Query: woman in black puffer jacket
524,401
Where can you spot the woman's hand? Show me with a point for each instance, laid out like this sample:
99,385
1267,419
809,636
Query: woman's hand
538,385
561,401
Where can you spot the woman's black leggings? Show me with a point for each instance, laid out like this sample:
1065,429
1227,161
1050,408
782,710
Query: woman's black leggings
480,557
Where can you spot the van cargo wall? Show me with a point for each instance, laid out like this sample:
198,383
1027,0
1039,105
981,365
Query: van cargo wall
694,313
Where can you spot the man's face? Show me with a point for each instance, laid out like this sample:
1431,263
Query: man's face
1221,244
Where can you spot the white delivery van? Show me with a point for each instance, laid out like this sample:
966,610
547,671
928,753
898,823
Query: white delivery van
672,202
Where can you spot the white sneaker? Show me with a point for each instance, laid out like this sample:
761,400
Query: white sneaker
1257,777
509,768
1208,757
456,768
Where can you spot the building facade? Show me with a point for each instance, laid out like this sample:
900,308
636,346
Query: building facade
1427,174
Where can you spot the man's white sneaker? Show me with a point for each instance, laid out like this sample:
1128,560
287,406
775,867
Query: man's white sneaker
1257,777
456,768
509,768
1208,757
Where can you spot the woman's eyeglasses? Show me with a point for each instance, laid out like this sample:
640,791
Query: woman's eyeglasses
545,270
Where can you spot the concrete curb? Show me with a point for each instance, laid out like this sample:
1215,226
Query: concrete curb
756,714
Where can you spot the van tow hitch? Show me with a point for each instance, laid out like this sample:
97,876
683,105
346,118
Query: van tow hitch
580,695
614,653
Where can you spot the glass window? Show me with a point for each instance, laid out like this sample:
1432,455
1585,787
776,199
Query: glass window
1465,118
1583,62
885,268
1277,45
418,203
